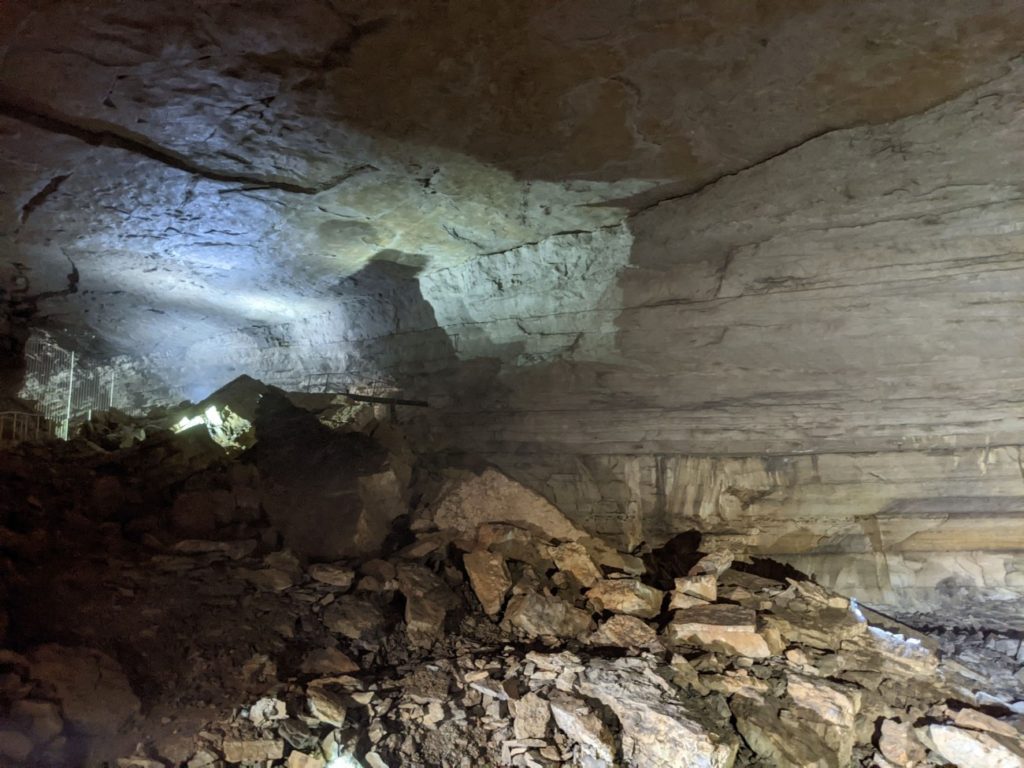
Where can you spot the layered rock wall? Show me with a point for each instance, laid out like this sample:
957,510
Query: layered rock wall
598,281
813,357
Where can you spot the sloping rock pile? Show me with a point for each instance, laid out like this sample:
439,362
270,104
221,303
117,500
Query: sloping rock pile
488,630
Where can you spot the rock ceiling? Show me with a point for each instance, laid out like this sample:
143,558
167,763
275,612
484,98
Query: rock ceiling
176,170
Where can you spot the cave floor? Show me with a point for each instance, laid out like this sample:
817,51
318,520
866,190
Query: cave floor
131,644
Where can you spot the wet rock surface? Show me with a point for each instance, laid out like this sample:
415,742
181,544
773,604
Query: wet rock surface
466,637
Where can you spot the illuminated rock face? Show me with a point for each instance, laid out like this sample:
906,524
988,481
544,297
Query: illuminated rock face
514,214
192,171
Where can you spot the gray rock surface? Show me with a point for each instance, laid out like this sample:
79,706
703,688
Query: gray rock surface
778,307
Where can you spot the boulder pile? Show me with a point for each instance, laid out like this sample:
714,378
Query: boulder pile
486,629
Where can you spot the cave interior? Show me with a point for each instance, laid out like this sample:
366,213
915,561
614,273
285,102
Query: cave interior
538,383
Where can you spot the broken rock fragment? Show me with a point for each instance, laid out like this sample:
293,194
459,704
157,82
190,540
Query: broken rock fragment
974,749
252,750
574,559
326,705
622,631
94,693
700,586
469,500
328,661
780,737
302,760
514,543
269,579
489,577
341,481
658,731
979,721
540,615
831,709
726,628
579,722
628,596
354,618
335,575
427,600
899,745
532,715
714,564
235,550
680,601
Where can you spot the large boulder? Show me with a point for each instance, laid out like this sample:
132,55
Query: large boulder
781,737
489,577
94,693
658,730
575,718
331,495
628,596
725,628
974,749
540,615
468,500
427,601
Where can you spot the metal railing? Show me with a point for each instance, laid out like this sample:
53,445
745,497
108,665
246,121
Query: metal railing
19,427
66,393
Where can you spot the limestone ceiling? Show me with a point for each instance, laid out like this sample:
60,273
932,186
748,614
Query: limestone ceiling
172,170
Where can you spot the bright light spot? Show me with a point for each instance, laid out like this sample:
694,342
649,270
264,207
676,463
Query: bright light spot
187,423
856,611
344,761
213,417
262,306
894,637
225,427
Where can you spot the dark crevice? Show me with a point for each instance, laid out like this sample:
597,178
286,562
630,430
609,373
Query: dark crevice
693,191
118,138
73,278
40,197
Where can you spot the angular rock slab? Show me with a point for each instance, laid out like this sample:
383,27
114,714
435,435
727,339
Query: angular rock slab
93,690
330,494
546,616
494,498
974,749
628,596
726,628
427,600
781,737
833,706
532,715
703,586
658,731
899,745
489,577
577,720
574,558
252,750
624,632
354,618
335,575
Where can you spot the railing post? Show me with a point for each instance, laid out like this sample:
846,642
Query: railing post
67,411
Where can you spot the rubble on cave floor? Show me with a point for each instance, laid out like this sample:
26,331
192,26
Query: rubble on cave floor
159,617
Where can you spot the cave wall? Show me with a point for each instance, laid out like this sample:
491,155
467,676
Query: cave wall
814,357
855,294
659,305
